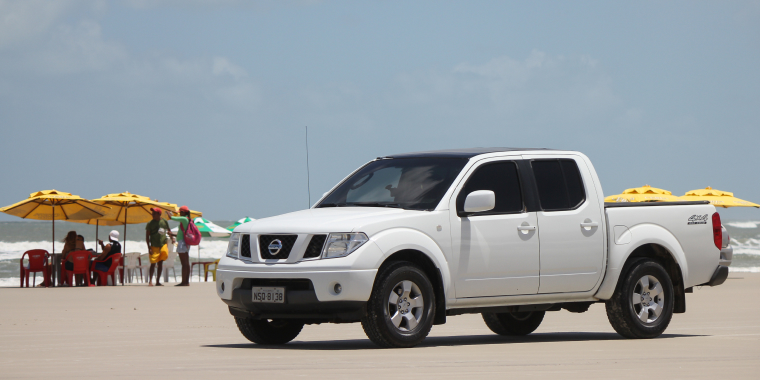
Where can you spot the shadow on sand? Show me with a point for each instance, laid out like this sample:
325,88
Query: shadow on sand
438,341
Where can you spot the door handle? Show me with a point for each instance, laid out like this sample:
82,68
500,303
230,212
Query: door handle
526,228
589,224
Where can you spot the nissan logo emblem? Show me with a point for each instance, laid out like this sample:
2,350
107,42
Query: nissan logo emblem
274,247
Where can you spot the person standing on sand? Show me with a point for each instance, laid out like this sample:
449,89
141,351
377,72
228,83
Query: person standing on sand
183,250
155,236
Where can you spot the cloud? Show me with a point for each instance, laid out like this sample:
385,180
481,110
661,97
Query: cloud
539,85
257,4
58,51
77,49
22,20
223,66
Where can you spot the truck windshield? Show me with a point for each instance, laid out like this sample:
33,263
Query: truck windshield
409,183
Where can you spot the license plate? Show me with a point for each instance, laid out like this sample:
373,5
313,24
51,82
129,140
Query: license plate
269,295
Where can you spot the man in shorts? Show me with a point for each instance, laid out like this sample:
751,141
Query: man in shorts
155,236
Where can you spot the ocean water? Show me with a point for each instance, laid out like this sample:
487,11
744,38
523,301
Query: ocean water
18,237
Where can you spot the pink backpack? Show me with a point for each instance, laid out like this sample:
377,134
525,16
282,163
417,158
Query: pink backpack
192,235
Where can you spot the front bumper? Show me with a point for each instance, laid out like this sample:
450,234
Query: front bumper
309,295
300,303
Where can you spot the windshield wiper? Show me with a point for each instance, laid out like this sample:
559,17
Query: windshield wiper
373,204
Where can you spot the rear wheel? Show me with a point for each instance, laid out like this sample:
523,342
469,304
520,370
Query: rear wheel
643,305
400,310
269,331
518,323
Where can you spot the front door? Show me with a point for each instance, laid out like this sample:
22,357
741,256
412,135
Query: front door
497,250
570,224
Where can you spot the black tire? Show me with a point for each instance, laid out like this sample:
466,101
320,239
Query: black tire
378,323
514,324
263,331
625,316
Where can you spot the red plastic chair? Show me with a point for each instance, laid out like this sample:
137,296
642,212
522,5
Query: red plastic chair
38,262
103,276
81,266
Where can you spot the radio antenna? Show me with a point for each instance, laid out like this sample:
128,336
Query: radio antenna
308,179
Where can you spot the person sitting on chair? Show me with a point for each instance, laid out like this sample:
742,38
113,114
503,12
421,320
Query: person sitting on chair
113,247
69,245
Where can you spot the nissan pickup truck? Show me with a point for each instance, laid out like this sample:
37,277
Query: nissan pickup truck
408,240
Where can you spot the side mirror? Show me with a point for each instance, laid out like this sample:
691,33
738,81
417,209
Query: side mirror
479,201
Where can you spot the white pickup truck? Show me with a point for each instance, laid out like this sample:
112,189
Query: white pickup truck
410,239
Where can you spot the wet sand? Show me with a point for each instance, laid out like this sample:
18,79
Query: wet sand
174,332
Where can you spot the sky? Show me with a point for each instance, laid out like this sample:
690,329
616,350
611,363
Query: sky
205,103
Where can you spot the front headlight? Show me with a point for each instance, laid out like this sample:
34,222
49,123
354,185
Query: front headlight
342,244
233,247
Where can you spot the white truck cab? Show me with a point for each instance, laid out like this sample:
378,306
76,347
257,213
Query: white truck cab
409,239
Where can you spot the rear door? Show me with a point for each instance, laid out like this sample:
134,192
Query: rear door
496,252
570,224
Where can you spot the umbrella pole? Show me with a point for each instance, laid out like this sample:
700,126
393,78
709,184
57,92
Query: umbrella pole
199,263
52,282
96,235
124,246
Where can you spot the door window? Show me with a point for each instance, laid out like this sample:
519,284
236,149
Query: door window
500,177
559,182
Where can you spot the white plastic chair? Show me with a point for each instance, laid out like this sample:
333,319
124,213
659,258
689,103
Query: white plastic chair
144,266
169,264
130,266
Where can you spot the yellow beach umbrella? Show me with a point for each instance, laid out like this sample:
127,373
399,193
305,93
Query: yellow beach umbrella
193,214
128,208
645,193
718,198
56,205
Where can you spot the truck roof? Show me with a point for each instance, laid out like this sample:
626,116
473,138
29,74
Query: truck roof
458,153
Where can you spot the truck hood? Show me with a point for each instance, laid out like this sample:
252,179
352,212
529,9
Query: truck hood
333,219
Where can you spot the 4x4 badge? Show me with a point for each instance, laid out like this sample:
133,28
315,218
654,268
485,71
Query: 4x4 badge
697,219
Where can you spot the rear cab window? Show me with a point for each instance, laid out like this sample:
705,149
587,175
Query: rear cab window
559,183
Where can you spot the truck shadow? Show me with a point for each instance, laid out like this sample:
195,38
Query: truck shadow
439,341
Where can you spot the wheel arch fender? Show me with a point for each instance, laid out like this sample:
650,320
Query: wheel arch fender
655,242
405,244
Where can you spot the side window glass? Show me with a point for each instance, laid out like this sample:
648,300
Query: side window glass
576,192
500,177
559,182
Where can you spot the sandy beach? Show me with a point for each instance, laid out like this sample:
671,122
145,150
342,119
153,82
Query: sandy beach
137,331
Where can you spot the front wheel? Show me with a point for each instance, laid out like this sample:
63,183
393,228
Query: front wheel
518,323
269,331
643,305
400,310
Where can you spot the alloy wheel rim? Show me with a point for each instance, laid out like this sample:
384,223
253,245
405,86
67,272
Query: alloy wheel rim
405,305
648,299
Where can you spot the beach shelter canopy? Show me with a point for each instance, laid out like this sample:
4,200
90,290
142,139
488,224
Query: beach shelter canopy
207,228
645,193
239,222
193,213
718,198
127,208
210,229
55,205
